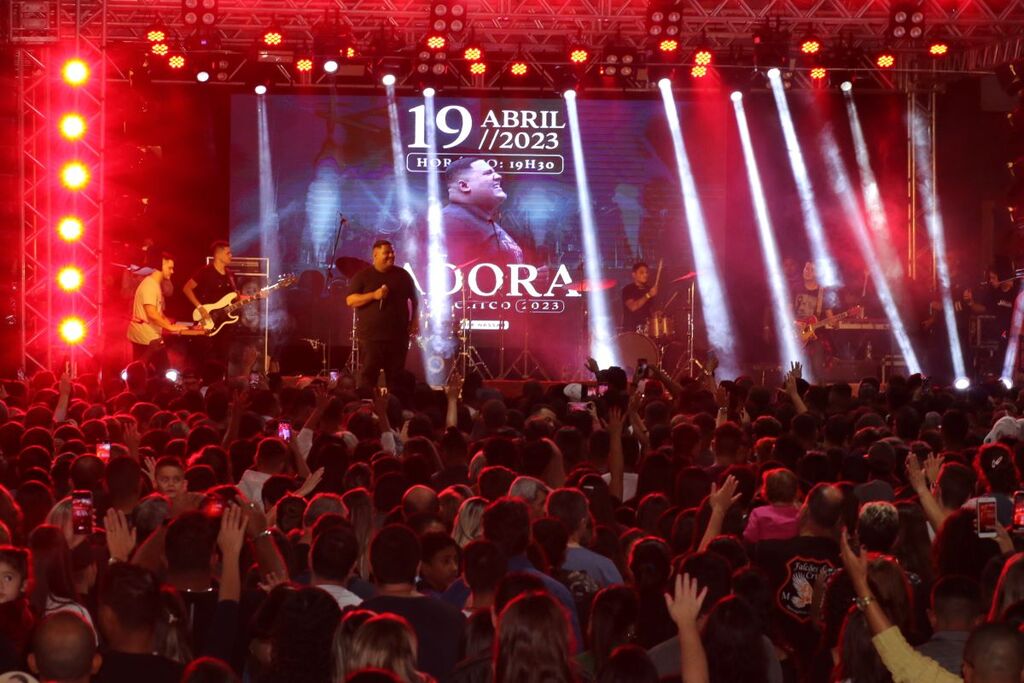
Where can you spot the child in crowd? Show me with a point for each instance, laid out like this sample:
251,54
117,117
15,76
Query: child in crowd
780,518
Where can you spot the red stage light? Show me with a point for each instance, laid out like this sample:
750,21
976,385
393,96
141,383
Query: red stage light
74,175
70,229
668,45
304,65
579,55
699,71
938,49
436,42
348,53
156,35
70,278
160,49
818,73
75,72
518,68
473,54
176,61
72,126
885,60
72,330
478,68
272,37
810,46
702,57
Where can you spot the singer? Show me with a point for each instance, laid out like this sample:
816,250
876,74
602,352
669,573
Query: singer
384,297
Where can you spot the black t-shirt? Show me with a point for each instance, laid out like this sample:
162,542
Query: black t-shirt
211,285
438,626
387,319
633,319
119,667
793,566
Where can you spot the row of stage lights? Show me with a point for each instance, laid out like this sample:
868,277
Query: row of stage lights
435,55
75,176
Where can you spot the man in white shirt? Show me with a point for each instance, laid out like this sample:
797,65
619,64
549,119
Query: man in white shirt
145,331
331,559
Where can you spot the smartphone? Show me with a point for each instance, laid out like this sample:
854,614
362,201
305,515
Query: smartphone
641,368
1018,512
597,391
254,379
103,450
81,512
334,376
578,405
986,517
284,431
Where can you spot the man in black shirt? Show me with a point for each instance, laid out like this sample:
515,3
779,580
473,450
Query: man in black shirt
638,298
474,195
385,297
208,285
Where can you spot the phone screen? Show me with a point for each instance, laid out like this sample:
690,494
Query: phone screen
81,512
284,430
577,405
254,379
103,450
1018,511
986,517
334,375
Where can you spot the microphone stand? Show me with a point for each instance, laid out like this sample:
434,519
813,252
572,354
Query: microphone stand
327,288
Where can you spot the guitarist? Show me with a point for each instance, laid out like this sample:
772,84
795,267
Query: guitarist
811,299
207,285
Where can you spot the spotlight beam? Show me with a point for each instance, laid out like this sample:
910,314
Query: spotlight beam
869,187
782,308
401,176
844,190
937,234
599,320
712,291
823,261
437,256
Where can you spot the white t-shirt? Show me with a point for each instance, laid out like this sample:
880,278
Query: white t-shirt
141,330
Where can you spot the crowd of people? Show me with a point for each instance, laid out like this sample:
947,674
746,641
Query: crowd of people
668,529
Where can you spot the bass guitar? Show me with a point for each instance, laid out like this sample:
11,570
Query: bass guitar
807,327
224,311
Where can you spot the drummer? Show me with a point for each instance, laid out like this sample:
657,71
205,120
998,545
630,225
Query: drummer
638,299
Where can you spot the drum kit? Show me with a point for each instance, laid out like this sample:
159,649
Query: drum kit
658,340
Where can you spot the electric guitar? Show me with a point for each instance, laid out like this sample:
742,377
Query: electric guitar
807,327
224,311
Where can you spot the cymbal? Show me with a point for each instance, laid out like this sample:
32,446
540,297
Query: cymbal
349,266
684,278
591,285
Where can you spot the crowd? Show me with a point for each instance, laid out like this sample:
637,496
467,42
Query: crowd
666,529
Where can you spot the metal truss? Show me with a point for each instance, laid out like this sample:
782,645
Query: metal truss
42,98
543,27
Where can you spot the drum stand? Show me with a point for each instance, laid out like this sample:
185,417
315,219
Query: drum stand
352,366
469,358
319,345
525,364
691,300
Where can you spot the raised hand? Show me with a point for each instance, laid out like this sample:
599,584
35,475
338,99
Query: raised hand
684,605
932,466
721,499
272,580
856,564
915,473
615,421
120,538
232,532
312,481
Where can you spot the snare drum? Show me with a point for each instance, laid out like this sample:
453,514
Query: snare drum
661,326
629,346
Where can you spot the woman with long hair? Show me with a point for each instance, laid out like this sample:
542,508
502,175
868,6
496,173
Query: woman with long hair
613,623
52,588
359,504
734,644
1010,588
533,642
858,658
387,642
469,521
301,637
344,636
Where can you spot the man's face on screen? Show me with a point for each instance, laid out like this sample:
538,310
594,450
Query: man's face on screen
483,184
383,257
